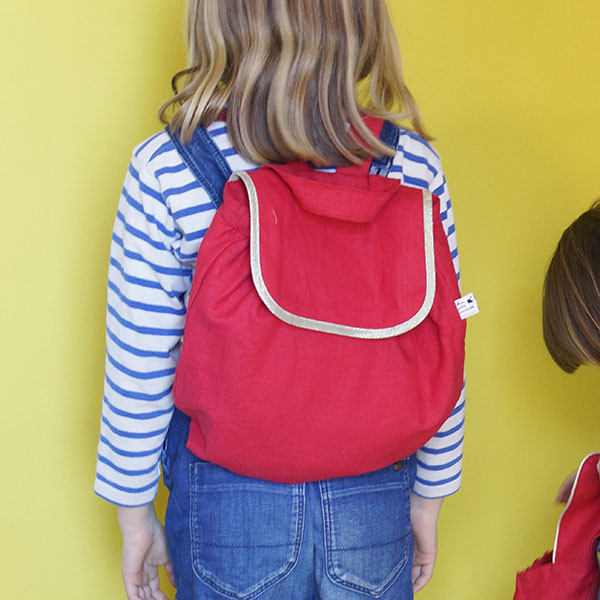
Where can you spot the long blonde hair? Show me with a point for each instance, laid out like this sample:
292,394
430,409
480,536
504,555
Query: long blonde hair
287,71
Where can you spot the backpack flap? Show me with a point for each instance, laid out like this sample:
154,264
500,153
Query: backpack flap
344,253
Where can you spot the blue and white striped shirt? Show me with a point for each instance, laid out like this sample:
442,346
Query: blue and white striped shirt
162,217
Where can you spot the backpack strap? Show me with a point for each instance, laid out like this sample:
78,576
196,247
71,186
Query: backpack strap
206,162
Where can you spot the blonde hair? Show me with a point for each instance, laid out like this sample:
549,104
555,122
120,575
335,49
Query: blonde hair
287,73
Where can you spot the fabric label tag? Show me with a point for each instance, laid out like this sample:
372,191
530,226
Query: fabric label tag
467,306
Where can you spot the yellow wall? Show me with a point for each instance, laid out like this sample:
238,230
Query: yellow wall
511,91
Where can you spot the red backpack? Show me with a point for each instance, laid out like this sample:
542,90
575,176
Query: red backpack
570,571
321,337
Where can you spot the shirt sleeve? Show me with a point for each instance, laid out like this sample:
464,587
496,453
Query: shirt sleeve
439,461
145,317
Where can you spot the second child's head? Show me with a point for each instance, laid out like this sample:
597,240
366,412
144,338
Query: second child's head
287,71
571,301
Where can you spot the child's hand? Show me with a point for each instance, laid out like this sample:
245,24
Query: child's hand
424,514
565,489
144,550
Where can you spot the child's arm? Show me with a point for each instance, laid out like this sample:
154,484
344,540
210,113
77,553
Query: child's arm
439,462
147,284
144,550
145,317
424,513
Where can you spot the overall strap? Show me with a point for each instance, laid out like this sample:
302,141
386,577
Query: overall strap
206,162
390,134
210,168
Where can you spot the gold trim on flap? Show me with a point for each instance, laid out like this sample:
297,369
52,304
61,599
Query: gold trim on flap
325,326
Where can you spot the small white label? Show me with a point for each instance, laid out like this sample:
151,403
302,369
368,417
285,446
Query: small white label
467,306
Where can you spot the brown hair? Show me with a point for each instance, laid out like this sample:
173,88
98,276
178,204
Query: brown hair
571,300
287,72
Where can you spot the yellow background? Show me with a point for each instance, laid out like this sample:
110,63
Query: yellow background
511,91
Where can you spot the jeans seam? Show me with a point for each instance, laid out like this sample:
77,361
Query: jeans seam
350,548
239,547
372,488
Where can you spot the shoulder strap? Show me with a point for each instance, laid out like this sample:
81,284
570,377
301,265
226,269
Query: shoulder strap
390,134
210,168
206,162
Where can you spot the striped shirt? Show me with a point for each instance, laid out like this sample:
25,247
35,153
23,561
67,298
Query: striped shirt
161,220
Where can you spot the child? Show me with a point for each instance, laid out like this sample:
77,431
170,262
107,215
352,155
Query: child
571,302
286,73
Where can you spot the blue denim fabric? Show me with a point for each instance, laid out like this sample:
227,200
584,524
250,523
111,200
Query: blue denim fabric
234,537
206,162
390,134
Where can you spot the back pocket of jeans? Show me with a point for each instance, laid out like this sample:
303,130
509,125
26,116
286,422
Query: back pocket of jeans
245,533
368,530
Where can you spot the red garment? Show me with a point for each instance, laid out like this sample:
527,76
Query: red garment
570,571
277,401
